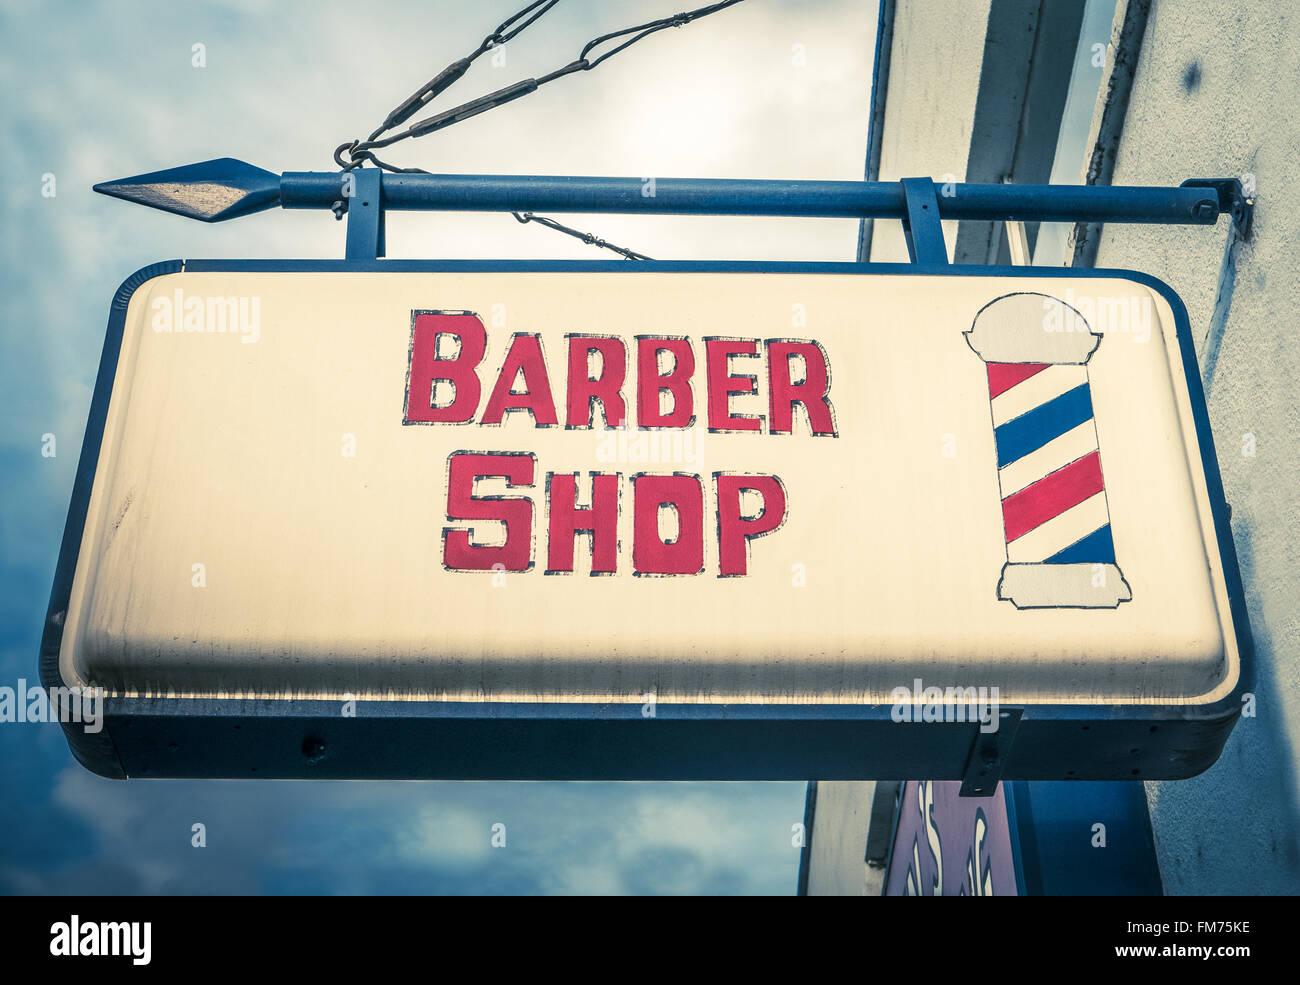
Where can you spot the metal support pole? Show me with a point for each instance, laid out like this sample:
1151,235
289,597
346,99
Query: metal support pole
724,196
226,188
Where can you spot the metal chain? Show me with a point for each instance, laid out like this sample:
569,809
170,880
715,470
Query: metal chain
361,151
505,31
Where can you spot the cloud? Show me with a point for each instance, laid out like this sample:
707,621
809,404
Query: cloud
363,837
90,96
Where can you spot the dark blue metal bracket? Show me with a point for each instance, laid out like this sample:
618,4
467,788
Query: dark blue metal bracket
366,216
921,227
988,755
1233,200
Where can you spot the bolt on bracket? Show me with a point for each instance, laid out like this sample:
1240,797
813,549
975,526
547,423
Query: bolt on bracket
1233,200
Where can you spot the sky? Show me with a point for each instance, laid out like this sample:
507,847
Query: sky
96,91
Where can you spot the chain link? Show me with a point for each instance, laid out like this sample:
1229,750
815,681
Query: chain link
359,151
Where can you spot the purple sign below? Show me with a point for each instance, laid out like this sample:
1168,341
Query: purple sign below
949,845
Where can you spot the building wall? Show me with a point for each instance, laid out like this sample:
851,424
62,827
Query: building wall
934,75
1216,95
837,845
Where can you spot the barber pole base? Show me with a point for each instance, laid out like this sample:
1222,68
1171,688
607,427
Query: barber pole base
1052,586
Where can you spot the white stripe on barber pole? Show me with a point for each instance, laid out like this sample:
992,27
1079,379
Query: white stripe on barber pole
1056,454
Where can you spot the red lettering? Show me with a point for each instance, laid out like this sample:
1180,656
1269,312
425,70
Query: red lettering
425,368
649,384
736,531
524,355
811,392
567,520
515,512
651,554
606,388
721,384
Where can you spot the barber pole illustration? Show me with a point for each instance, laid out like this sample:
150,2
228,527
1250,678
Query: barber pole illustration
1060,552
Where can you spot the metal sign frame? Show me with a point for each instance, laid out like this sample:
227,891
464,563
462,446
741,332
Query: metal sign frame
208,737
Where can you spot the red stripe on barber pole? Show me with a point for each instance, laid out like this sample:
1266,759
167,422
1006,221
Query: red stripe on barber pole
1052,495
1003,376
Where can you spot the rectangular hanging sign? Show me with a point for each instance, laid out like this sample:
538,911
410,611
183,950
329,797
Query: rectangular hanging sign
647,520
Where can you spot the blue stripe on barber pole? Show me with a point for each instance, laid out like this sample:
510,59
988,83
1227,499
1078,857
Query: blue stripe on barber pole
1036,391
1098,547
1029,432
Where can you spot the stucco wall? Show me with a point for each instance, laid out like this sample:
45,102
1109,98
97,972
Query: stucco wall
838,847
934,76
1215,95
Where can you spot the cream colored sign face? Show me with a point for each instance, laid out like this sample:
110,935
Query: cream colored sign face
759,487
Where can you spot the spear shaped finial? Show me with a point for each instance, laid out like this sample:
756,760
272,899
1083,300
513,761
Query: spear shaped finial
211,191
